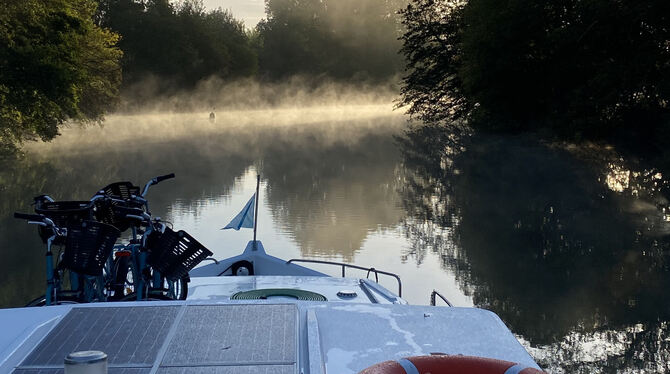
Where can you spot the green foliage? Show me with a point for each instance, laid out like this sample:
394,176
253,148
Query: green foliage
582,68
55,65
59,59
180,43
340,39
432,48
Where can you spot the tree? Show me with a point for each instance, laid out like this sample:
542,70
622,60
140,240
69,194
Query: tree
432,89
340,39
55,65
180,43
594,69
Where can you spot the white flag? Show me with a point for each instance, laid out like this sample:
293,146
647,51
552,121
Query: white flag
245,218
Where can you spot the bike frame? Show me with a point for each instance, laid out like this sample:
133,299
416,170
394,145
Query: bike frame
51,287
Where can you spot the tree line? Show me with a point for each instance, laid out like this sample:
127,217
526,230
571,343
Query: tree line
184,43
181,42
72,60
574,69
595,69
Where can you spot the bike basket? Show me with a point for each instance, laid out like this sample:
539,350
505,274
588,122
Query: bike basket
120,190
88,246
63,213
174,254
114,213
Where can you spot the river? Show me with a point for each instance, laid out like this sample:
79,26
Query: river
569,245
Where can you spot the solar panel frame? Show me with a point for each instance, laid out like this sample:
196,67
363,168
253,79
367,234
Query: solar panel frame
111,370
264,369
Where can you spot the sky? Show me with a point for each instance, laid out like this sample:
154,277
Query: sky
249,11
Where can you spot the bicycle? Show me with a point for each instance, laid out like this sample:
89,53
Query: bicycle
103,207
158,267
128,208
138,270
88,246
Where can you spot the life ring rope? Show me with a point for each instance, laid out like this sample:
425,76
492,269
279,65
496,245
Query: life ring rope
516,369
408,366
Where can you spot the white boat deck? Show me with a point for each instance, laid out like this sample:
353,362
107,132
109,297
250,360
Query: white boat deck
359,324
333,289
263,336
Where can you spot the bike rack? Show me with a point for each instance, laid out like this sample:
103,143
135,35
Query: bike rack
345,266
435,293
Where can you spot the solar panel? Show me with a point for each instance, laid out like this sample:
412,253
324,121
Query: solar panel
60,371
235,334
181,339
130,336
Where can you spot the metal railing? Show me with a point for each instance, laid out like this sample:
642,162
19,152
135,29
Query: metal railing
432,298
344,266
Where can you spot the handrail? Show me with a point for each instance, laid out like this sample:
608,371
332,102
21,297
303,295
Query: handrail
344,266
212,259
432,298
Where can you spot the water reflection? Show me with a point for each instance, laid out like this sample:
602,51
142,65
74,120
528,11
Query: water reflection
69,171
329,183
638,348
549,243
568,245
331,198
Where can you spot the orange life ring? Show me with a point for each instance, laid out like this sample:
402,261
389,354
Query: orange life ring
449,364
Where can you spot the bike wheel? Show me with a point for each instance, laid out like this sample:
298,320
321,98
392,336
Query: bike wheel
94,289
178,291
181,287
124,282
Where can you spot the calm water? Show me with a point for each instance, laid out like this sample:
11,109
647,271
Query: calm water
569,246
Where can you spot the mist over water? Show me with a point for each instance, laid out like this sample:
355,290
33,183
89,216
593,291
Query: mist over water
567,244
152,94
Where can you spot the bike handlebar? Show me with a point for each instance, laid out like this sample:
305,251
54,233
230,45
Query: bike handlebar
139,218
163,177
129,212
98,196
40,198
29,217
156,180
41,220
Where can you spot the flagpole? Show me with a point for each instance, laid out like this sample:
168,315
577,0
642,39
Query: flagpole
258,184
